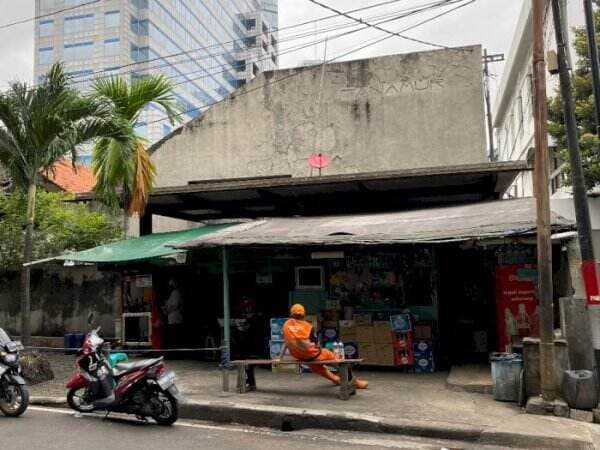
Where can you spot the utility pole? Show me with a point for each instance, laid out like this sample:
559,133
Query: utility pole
486,90
582,213
542,197
593,55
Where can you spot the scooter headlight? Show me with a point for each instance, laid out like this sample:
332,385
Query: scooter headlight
9,358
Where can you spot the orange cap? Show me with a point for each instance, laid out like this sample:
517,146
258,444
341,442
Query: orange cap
297,310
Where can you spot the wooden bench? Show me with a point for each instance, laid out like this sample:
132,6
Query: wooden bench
246,381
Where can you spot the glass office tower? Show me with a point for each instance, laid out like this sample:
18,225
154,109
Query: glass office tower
208,48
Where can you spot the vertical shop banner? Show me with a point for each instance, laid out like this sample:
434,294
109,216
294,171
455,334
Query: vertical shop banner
517,304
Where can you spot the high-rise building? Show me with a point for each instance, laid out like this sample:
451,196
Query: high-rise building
207,48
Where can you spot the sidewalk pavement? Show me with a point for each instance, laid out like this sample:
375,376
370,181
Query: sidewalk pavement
403,403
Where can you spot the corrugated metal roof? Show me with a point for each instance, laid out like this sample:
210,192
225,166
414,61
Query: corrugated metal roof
481,220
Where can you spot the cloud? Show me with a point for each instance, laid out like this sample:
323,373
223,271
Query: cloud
16,43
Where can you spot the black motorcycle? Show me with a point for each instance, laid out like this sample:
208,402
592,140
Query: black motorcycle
14,396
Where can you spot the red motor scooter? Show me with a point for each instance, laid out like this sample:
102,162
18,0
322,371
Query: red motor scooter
143,388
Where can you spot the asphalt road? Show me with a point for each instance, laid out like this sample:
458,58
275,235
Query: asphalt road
42,428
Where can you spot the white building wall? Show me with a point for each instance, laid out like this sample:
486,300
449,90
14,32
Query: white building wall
513,112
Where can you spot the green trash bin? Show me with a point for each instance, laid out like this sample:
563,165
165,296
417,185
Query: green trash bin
506,376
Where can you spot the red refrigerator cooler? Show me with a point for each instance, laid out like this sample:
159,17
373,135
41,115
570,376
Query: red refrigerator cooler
517,313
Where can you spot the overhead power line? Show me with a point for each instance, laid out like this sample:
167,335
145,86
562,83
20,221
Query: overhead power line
42,16
403,14
393,33
299,72
222,44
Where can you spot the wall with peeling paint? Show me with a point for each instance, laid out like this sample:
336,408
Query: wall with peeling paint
394,112
61,299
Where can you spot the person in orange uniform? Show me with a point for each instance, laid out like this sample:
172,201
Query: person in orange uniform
303,345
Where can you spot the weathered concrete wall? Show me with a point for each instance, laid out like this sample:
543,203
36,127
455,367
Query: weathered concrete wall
61,299
393,112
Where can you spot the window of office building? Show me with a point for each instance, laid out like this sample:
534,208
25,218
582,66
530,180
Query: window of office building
139,54
46,28
47,4
46,55
111,47
139,27
69,3
140,4
79,24
112,19
80,50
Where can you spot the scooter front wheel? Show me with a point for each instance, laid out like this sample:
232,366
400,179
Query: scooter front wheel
15,400
76,400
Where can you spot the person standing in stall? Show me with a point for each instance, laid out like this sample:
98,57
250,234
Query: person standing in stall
173,309
302,342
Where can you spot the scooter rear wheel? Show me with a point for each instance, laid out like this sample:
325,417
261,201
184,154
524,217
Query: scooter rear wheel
75,400
169,409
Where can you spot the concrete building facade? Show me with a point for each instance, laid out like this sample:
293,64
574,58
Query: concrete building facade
389,113
207,48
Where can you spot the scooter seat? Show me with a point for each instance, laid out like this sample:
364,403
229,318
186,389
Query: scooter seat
130,366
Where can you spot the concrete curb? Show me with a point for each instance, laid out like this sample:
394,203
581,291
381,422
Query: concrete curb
289,419
285,418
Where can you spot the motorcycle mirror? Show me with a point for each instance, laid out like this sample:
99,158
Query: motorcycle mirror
90,318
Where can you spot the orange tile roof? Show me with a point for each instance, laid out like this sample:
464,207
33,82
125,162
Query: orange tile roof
66,178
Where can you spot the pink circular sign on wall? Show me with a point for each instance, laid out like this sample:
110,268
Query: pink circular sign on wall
319,160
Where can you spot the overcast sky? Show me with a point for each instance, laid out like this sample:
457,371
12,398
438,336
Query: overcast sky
487,22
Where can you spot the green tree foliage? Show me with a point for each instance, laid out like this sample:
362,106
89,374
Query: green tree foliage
123,168
60,227
38,126
583,96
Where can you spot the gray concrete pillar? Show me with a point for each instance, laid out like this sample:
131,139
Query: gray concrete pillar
578,333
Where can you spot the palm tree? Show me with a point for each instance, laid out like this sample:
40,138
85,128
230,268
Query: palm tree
38,126
124,171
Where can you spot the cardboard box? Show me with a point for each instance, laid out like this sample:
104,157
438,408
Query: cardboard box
347,324
385,354
382,332
423,332
277,329
401,323
363,319
365,334
368,352
347,334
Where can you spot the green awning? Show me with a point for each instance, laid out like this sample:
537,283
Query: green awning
141,248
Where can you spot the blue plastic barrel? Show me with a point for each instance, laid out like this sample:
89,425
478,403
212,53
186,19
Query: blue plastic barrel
68,339
506,376
77,341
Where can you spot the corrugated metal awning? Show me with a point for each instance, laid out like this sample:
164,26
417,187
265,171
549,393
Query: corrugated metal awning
495,219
